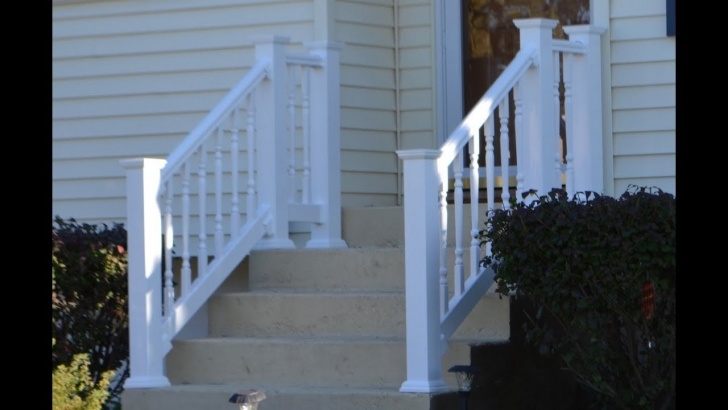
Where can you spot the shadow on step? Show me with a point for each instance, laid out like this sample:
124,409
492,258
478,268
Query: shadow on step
514,376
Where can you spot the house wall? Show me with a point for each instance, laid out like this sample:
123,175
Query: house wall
132,78
643,95
368,102
387,93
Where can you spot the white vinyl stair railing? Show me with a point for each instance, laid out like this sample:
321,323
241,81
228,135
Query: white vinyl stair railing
531,82
266,155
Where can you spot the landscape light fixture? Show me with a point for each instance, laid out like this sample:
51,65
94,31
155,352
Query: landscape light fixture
248,400
464,375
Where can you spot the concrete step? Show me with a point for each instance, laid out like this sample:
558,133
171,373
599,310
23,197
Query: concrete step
329,314
303,362
317,329
362,269
384,226
216,396
351,269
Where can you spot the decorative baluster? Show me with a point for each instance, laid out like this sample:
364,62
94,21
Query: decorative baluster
458,280
568,110
503,114
306,117
489,132
168,244
252,193
202,213
444,292
518,101
474,147
218,194
186,278
292,131
235,172
558,153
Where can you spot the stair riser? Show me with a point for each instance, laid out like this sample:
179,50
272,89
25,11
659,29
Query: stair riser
384,226
365,269
364,363
306,315
343,269
326,315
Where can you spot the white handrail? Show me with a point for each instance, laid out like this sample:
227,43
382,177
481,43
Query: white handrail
531,83
160,193
213,120
485,106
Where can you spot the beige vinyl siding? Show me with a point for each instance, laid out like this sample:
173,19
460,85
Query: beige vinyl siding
387,59
643,96
132,78
416,76
368,102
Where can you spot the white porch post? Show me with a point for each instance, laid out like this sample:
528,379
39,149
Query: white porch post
271,140
586,115
422,250
144,243
325,146
537,140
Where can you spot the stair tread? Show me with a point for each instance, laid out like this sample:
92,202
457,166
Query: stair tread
296,338
312,292
237,387
301,340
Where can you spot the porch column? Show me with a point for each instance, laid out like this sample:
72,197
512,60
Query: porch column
326,146
144,239
422,252
270,156
537,139
586,113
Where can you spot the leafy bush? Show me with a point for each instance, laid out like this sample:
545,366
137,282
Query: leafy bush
601,273
75,389
89,300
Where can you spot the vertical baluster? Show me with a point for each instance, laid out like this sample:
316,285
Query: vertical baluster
518,101
168,244
202,213
558,153
234,173
252,193
444,292
458,280
489,131
292,131
305,116
568,110
218,193
186,278
474,201
503,114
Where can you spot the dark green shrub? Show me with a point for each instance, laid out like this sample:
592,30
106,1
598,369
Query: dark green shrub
89,299
601,273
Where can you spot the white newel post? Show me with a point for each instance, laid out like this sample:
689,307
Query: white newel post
325,146
271,97
144,243
537,140
422,250
586,115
